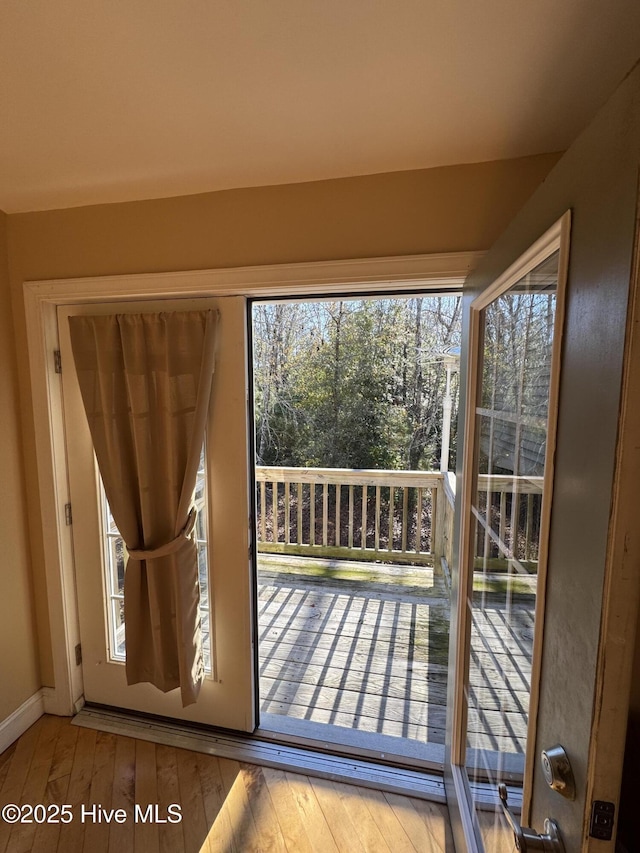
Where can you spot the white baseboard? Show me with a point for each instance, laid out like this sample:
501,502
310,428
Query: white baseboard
17,723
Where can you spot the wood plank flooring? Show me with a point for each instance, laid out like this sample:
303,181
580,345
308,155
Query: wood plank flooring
226,806
497,836
366,648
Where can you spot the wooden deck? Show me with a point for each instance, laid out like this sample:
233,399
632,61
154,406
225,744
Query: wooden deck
365,647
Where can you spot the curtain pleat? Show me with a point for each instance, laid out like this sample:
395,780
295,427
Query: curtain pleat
145,381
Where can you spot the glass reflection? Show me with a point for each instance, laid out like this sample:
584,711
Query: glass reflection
511,449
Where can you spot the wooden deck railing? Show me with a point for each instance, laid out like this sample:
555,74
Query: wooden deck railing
514,517
513,507
396,516
340,512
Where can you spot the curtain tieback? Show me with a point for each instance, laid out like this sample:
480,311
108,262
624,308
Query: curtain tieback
169,547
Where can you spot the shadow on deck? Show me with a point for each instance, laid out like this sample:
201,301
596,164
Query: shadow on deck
364,647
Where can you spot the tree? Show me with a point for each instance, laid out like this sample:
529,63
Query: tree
279,334
352,383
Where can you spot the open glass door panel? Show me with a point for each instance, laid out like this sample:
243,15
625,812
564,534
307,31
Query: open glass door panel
506,506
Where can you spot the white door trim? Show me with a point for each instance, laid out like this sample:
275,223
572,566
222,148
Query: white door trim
41,299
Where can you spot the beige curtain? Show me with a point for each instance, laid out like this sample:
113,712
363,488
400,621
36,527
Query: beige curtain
146,381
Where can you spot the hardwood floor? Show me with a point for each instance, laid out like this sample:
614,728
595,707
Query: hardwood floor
496,835
226,806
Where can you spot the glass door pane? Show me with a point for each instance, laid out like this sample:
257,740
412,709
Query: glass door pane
508,501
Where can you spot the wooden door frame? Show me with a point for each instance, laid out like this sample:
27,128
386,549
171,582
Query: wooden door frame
621,593
41,300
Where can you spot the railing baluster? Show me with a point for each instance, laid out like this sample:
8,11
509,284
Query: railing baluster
419,521
527,535
312,521
391,500
376,535
503,518
325,513
287,513
338,488
350,538
515,523
263,511
405,513
299,524
274,509
489,526
363,528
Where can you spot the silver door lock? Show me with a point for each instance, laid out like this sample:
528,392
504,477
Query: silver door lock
527,839
557,771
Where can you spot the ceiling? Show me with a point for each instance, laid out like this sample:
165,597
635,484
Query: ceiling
113,100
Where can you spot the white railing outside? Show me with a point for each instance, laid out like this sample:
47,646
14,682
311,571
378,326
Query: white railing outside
394,516
338,512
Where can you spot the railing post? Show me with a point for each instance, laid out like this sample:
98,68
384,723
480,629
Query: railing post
438,501
449,493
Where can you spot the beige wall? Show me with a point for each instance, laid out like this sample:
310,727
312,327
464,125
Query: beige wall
437,210
19,671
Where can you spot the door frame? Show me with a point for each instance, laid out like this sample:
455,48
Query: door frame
621,595
41,300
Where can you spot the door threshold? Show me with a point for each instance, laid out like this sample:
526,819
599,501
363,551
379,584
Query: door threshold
370,746
256,749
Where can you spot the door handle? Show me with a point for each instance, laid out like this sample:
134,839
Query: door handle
527,839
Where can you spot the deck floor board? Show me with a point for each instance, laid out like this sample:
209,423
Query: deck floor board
371,653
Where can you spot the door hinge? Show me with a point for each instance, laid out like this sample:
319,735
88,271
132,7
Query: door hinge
67,514
57,361
78,651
